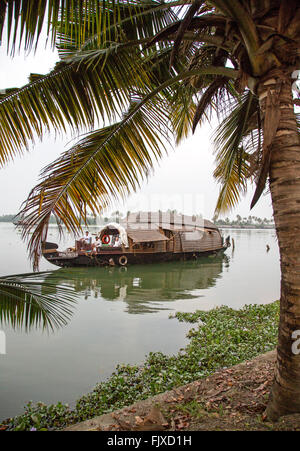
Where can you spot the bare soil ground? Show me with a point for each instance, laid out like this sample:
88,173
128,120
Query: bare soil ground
230,399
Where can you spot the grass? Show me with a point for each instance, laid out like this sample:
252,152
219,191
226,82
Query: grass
220,338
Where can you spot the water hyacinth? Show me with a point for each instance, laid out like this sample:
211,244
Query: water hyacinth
218,341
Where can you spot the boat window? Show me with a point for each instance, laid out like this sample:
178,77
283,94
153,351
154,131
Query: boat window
149,245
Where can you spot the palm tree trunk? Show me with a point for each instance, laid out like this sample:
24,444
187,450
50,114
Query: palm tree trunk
284,176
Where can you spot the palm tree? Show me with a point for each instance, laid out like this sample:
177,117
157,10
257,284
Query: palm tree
156,69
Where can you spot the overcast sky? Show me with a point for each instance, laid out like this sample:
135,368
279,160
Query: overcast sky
183,180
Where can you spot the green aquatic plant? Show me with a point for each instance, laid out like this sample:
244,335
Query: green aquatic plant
154,70
223,337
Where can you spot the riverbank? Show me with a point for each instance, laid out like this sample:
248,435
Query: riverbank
220,338
231,399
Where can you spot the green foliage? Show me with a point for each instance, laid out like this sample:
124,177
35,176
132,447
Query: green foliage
80,20
235,140
27,301
90,220
114,66
250,221
121,60
227,334
41,417
223,337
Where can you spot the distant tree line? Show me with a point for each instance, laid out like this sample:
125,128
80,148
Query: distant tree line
14,218
117,216
250,221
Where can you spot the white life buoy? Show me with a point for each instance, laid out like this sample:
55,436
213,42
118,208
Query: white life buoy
123,260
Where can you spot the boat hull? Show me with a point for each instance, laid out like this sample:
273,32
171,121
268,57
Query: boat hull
117,258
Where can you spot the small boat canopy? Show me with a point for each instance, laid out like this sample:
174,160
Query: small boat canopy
121,230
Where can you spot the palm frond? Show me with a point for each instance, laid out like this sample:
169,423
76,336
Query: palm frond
39,300
109,164
182,111
102,166
74,95
92,83
25,20
201,24
233,183
210,100
237,138
190,13
134,23
239,12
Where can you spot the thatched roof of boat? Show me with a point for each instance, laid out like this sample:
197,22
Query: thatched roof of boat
165,220
146,236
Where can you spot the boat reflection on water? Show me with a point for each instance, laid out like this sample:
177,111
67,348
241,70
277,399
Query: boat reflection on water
146,288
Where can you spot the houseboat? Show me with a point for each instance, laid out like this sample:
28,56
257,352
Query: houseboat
143,237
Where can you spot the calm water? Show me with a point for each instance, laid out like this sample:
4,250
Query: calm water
123,314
